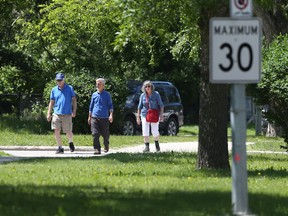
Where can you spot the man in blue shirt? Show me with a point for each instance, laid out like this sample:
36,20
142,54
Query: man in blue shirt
100,114
64,104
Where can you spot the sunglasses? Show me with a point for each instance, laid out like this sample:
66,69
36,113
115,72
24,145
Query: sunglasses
147,86
59,80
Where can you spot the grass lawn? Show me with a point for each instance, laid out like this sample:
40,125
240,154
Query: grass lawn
137,184
188,133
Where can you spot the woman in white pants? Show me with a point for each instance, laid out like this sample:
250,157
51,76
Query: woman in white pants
150,99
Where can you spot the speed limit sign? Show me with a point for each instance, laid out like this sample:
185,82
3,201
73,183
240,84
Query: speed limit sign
235,50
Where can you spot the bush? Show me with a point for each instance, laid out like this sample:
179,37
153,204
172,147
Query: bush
273,88
34,119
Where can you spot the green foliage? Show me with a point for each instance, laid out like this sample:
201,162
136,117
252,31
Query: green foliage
273,88
76,37
120,40
156,28
71,36
18,72
159,40
10,81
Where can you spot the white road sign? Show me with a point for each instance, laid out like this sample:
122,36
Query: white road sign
235,50
240,8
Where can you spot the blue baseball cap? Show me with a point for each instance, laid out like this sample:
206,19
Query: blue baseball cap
59,76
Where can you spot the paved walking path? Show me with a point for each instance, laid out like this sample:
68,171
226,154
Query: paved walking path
24,152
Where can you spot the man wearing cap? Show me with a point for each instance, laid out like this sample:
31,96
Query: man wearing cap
64,104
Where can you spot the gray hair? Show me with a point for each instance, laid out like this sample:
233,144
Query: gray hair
147,82
102,80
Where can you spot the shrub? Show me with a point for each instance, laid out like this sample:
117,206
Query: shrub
273,88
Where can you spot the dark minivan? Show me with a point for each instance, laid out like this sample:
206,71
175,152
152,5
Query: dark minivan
173,109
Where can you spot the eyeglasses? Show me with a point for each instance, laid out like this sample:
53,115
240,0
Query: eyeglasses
147,86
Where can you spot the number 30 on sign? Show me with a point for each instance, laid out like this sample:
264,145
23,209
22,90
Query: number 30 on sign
235,50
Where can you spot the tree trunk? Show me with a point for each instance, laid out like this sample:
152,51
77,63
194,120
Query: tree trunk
213,116
274,20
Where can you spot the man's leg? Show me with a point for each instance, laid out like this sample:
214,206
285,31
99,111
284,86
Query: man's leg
104,127
56,126
67,126
57,135
96,135
70,138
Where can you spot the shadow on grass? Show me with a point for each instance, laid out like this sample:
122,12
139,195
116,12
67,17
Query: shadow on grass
176,158
156,159
34,200
167,157
90,201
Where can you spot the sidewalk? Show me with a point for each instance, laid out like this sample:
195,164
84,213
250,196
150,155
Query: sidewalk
24,152
87,151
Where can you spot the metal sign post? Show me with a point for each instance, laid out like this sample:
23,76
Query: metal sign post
235,57
238,124
239,169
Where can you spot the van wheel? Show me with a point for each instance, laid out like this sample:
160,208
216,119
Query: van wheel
129,127
172,127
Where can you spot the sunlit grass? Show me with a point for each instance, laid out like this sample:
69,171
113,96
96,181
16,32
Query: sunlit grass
10,135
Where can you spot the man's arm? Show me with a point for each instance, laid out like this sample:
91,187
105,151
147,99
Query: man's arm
111,116
74,106
51,105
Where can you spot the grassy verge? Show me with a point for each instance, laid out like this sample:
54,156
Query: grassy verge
187,133
137,184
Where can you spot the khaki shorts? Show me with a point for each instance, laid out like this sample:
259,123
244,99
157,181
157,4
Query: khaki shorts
63,122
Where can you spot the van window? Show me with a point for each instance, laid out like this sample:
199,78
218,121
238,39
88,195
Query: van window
162,94
172,95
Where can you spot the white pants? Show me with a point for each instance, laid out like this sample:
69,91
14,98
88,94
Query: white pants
146,128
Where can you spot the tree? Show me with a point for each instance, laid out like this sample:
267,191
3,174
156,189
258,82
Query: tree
274,16
71,36
170,22
213,116
18,72
160,40
142,39
76,37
